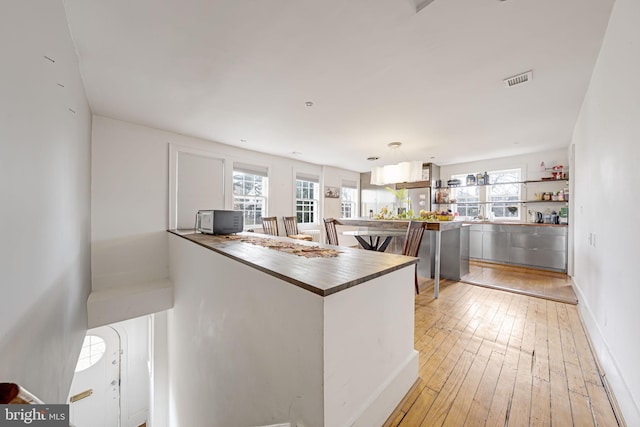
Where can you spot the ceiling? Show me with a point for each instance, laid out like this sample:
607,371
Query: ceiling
240,72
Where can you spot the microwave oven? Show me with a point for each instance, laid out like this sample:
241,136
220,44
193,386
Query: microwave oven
219,221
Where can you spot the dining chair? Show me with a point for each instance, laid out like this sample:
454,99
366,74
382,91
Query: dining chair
332,233
291,229
270,225
412,241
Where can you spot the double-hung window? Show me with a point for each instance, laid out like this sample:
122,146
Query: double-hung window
467,198
504,193
349,193
250,192
501,196
307,198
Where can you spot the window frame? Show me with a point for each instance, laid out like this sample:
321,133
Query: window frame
345,199
514,198
254,172
312,203
486,194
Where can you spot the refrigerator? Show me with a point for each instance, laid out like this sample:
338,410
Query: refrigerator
420,199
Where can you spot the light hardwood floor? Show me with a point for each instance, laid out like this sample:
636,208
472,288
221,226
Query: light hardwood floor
527,281
494,358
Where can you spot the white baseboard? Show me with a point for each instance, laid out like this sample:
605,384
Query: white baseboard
385,399
613,377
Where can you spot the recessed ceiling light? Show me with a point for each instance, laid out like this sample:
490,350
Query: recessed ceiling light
243,140
296,153
394,144
372,158
309,104
432,157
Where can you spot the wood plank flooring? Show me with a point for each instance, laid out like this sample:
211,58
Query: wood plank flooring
527,281
494,358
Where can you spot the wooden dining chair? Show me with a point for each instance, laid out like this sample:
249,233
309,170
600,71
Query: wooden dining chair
291,229
270,225
412,241
332,233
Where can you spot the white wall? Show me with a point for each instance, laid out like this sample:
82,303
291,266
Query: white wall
130,196
607,151
44,199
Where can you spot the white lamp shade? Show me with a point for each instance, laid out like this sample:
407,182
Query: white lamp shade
402,172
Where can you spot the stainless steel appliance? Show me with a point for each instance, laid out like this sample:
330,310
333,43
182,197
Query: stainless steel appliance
219,221
420,199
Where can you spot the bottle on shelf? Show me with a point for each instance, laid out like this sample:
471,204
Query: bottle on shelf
486,178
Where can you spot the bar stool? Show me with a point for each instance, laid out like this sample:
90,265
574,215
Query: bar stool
291,229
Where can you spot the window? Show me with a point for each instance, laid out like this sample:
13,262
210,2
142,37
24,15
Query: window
93,349
250,191
500,198
468,198
504,197
349,199
307,193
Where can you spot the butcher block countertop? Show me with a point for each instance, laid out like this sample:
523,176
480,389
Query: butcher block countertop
322,275
514,223
398,223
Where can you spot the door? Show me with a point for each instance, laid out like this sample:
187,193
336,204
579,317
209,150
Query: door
94,398
200,183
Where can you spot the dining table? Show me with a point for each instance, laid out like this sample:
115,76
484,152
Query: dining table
376,239
435,227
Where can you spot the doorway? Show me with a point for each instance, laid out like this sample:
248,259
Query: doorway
94,397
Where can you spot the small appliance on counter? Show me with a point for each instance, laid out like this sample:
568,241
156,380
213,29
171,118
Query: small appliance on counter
536,217
219,221
564,215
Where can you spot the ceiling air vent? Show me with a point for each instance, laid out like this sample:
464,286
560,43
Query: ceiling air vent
519,79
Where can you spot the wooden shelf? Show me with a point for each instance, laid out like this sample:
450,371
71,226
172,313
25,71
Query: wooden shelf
529,181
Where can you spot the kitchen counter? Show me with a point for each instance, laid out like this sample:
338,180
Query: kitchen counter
318,341
322,276
542,246
398,223
456,247
535,224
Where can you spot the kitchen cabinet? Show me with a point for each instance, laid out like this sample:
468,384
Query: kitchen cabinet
539,247
526,245
475,241
495,242
430,174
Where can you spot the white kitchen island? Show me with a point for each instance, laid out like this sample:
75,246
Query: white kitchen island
258,336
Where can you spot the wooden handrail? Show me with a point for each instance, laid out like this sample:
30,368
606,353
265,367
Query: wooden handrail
12,393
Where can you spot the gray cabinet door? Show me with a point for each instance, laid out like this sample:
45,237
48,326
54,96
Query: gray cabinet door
475,244
495,245
544,247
